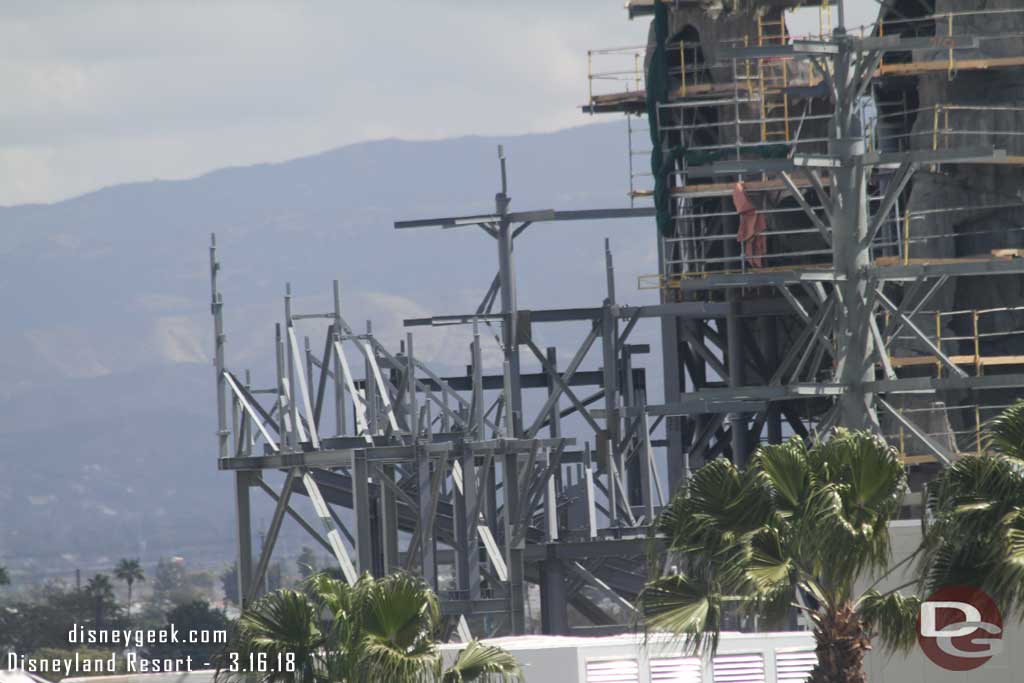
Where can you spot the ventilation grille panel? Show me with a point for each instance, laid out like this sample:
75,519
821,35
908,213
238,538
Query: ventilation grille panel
794,666
613,671
676,670
739,668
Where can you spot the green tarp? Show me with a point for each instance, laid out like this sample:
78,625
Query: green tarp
661,163
657,93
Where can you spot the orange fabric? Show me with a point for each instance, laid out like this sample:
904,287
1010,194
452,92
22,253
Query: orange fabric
752,227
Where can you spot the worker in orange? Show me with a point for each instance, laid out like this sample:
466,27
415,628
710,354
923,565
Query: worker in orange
752,227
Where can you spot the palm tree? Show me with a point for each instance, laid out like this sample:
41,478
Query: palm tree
975,535
375,630
129,571
800,523
101,591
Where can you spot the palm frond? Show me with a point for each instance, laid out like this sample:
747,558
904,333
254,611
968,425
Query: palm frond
787,470
485,663
685,608
770,566
400,609
976,532
1005,433
382,660
280,623
893,616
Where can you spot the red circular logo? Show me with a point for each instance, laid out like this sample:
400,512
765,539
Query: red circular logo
960,628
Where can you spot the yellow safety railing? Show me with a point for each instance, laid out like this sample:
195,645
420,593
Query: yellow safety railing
965,432
618,70
773,79
943,25
976,359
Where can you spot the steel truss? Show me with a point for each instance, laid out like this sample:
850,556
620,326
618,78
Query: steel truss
454,478
846,316
459,480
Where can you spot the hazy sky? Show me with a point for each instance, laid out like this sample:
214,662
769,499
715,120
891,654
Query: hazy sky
97,93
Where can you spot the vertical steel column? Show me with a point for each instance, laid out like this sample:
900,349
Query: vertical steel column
697,368
287,436
470,485
307,354
588,492
851,247
243,518
410,383
339,381
477,418
427,546
293,404
509,306
609,336
771,352
389,521
554,614
216,307
248,433
370,387
647,464
672,381
634,468
555,432
514,547
467,550
361,511
735,364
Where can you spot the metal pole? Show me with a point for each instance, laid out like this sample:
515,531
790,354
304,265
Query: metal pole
555,432
509,306
609,337
243,518
339,380
361,511
851,249
735,364
514,546
410,383
554,613
467,552
287,430
477,418
771,351
673,385
293,404
389,522
370,386
216,307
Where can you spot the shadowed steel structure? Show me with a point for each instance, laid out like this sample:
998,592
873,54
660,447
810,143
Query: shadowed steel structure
470,480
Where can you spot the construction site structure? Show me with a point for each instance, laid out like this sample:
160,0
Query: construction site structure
882,164
467,480
835,220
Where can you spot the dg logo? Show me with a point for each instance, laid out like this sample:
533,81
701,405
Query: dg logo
960,628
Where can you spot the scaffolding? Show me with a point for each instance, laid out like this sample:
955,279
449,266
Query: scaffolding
835,313
789,121
468,481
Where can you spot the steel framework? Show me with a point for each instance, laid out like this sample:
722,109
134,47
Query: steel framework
459,478
840,244
471,481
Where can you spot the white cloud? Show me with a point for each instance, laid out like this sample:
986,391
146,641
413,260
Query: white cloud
101,93
179,339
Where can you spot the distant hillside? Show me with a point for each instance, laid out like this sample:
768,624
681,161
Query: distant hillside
106,432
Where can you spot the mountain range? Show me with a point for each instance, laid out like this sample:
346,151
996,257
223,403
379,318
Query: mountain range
107,445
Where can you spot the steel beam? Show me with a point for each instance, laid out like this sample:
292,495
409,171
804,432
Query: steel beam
243,534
